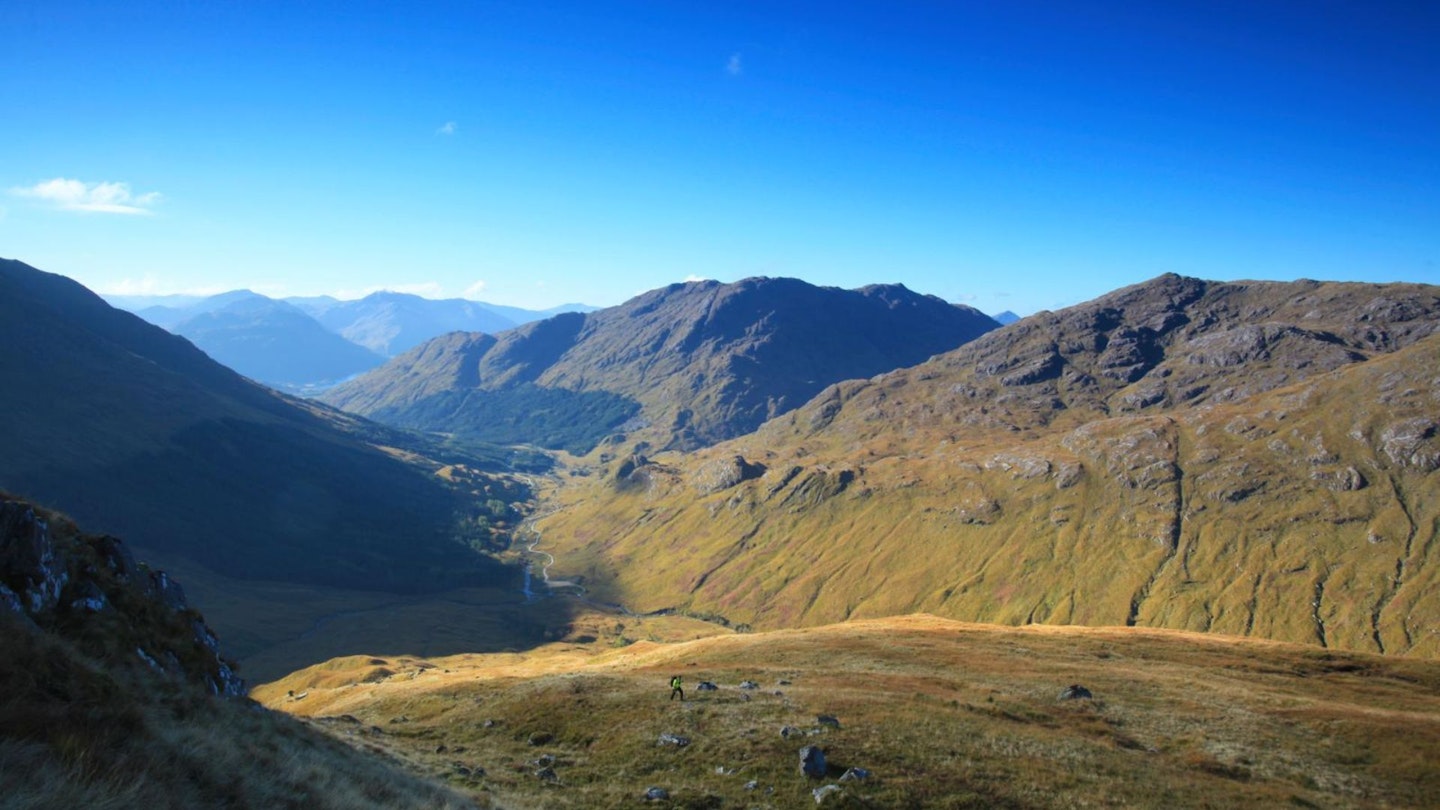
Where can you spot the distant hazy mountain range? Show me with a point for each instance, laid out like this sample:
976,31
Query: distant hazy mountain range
302,345
137,433
684,366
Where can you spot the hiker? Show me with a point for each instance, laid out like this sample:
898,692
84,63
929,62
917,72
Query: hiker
676,690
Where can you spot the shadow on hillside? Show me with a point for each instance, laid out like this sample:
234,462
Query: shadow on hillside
275,628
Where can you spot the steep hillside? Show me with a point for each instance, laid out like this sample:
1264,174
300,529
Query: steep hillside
112,694
137,433
683,366
908,712
275,343
1253,459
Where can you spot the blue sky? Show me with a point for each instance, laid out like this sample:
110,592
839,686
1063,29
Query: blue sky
1010,155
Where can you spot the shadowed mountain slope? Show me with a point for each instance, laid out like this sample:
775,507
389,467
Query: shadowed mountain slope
112,694
136,432
1249,458
685,366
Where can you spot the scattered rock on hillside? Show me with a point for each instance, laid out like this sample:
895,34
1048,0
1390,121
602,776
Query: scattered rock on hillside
706,686
90,599
823,793
657,794
812,762
547,774
855,775
28,562
673,739
817,487
629,466
749,685
1411,443
787,732
724,473
49,573
1347,479
540,738
828,720
1075,692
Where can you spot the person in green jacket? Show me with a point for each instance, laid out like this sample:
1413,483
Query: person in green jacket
676,690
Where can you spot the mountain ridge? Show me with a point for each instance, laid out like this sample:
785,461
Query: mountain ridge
1098,465
275,343
691,363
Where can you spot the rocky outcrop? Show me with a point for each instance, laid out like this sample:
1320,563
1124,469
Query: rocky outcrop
725,473
90,589
1412,443
28,565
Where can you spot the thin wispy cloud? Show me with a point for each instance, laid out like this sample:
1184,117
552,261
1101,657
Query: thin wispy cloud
692,277
76,195
733,66
448,128
474,291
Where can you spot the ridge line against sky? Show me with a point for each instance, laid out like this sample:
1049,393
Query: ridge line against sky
1014,156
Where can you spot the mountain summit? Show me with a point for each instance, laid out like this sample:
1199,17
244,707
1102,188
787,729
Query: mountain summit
686,365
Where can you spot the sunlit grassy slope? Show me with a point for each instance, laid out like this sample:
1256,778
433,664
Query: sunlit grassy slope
1140,460
941,713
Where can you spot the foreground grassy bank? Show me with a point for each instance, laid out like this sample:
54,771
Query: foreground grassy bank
940,713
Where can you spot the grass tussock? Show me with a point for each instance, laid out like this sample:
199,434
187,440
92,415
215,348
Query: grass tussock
942,714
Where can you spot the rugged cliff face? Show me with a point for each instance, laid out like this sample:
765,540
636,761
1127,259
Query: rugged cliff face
90,590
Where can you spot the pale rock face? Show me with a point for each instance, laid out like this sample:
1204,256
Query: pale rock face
42,577
27,558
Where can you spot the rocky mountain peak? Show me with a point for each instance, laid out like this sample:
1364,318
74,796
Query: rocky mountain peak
687,365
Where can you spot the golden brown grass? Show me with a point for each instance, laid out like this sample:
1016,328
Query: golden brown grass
944,714
1228,518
